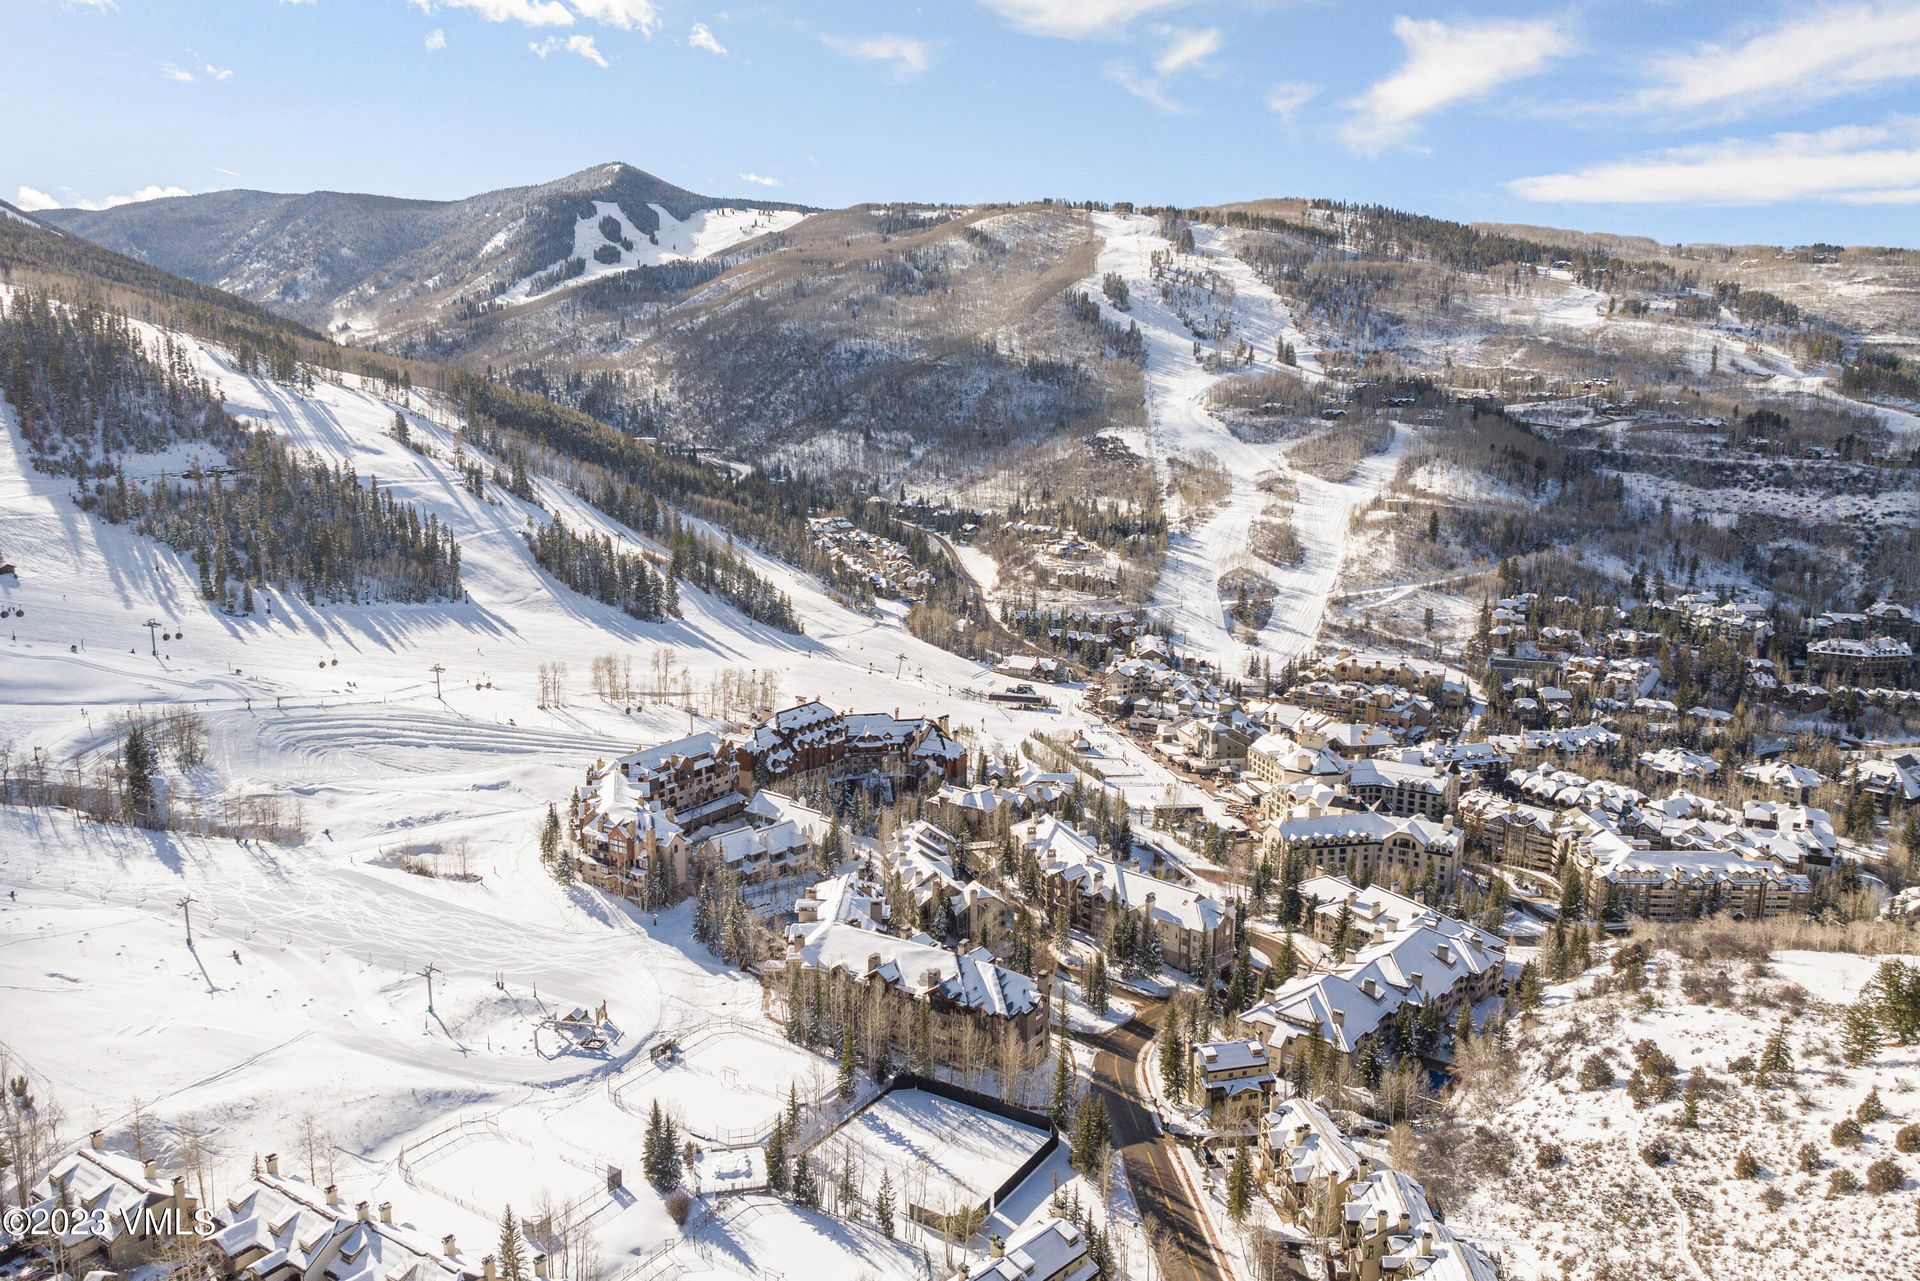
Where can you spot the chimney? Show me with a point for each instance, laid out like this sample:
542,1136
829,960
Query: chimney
540,1267
97,1141
147,1171
873,961
386,1212
333,1194
362,1212
447,1246
273,1163
486,1269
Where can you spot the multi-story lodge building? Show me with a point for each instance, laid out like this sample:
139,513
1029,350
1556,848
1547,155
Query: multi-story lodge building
1878,661
1307,1156
961,987
1512,832
1429,960
1389,1232
282,1228
1195,929
813,739
1226,1069
1403,788
627,839
1370,846
136,1208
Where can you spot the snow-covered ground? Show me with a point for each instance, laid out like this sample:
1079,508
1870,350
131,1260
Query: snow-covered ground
305,990
1579,1191
706,233
943,1155
1181,426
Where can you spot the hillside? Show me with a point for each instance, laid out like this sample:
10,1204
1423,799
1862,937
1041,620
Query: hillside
366,263
1588,1172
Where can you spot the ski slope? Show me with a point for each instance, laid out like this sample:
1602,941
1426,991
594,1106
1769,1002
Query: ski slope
1181,426
704,234
305,990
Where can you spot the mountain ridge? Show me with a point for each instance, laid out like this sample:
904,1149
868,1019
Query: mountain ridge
364,260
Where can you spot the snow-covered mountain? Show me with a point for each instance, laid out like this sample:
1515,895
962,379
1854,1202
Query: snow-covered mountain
367,262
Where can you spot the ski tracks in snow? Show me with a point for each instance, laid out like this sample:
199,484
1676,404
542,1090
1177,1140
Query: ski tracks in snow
1180,425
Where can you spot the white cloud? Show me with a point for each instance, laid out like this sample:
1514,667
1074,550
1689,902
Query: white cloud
1446,64
186,75
1815,56
102,5
532,13
906,55
1286,98
701,38
1187,49
1851,164
31,200
582,45
436,40
759,180
1146,88
229,172
1075,19
628,15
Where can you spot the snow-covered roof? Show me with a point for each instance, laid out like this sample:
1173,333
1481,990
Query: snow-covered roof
1051,1248
850,899
287,1220
1308,1145
100,1187
1365,825
1401,775
1073,857
918,966
1410,967
1230,1056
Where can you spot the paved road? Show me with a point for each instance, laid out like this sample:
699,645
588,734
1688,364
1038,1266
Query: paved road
1166,1207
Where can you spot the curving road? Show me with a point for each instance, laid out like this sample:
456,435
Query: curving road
1167,1208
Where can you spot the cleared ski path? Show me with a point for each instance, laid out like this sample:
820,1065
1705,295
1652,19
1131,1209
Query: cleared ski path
1181,426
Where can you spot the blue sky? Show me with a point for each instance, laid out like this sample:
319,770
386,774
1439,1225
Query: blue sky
1773,122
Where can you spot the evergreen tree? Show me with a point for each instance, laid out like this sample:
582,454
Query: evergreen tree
1173,1061
1239,1183
883,1204
137,755
1343,932
1097,983
849,1080
1063,1086
806,1190
550,837
512,1254
1860,1034
1776,1058
1527,989
1287,964
1090,1132
777,1157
